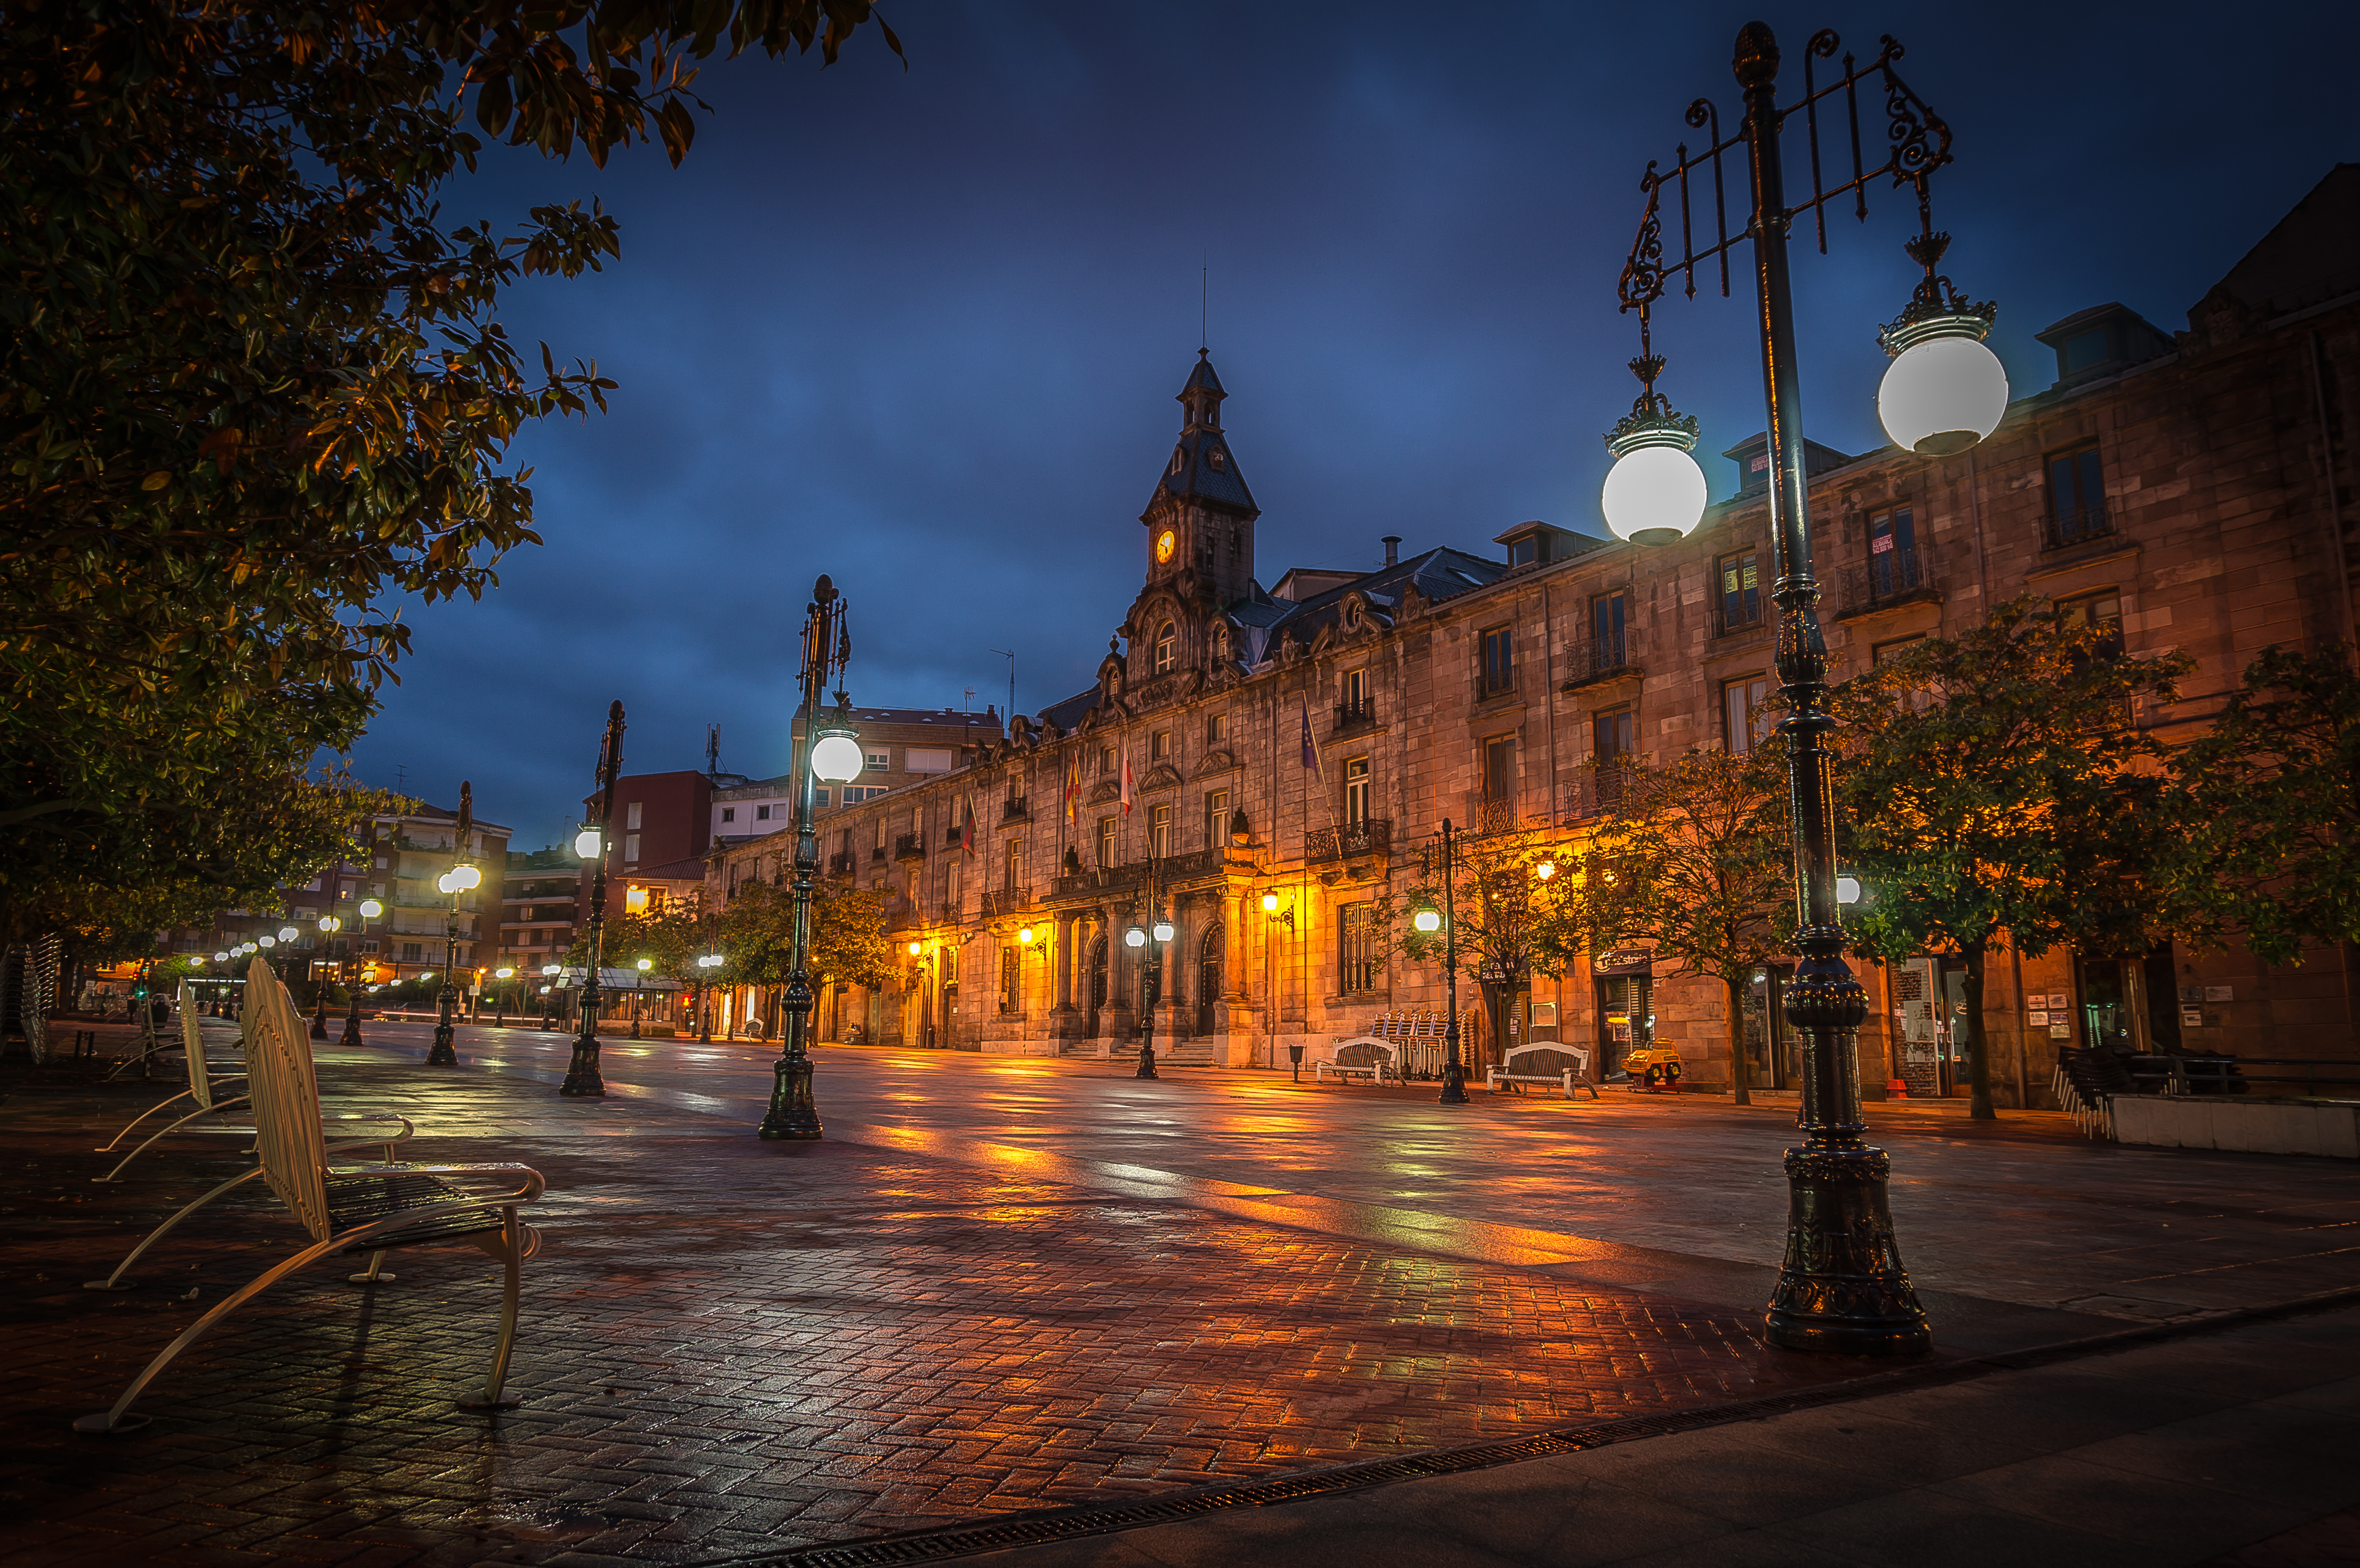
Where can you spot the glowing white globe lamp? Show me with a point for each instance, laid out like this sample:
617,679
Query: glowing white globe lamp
371,909
1427,921
1945,389
549,969
1164,931
837,758
466,878
288,933
1134,937
1654,493
221,958
646,964
587,842
267,940
1847,890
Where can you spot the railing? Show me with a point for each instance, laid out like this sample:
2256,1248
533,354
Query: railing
1355,715
1483,814
1889,577
1734,613
1168,871
1598,659
840,863
1006,901
910,846
1014,808
1365,837
1597,791
2076,525
876,854
1094,880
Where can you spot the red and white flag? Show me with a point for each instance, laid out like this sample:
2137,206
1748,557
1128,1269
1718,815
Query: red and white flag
966,829
1126,779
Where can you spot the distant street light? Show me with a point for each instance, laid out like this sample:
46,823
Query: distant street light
454,883
582,1076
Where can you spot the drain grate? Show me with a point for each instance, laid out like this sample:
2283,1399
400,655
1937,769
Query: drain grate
1038,1528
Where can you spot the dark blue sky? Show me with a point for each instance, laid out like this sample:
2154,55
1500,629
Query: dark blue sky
921,329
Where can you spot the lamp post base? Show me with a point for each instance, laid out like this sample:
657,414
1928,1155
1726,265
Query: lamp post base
352,1037
320,1018
1842,1289
1146,1059
444,1053
1454,1083
582,1074
794,1116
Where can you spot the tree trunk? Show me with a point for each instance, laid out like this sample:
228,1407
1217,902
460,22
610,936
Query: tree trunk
1979,1106
1737,1091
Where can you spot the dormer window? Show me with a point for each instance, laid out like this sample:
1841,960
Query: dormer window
1526,551
1179,459
1214,458
1167,641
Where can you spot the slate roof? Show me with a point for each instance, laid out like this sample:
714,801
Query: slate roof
1069,712
1440,573
1202,467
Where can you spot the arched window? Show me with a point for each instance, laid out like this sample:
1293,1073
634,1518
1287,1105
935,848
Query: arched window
1167,639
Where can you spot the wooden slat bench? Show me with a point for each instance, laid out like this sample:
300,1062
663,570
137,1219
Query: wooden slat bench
348,1208
1547,1063
1370,1058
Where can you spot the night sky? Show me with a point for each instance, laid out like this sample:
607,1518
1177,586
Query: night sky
921,329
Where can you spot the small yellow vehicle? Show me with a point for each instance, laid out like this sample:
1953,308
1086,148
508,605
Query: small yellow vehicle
1653,1068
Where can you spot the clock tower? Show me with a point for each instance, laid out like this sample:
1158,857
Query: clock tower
1200,521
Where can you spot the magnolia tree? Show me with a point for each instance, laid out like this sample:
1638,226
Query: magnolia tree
1516,910
1696,856
1995,790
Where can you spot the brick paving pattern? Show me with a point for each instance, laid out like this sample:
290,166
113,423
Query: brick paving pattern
731,1347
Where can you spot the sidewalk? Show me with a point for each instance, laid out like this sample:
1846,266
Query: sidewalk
735,1350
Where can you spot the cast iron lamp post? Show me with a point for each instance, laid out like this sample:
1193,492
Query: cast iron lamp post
369,910
708,962
329,926
454,882
1841,1287
549,989
1273,915
1151,941
829,750
582,1076
1429,919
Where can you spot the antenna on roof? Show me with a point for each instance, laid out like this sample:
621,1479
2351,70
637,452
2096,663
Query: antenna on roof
1010,654
1204,330
969,706
401,778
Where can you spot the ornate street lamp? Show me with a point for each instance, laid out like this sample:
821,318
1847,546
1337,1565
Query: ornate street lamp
370,908
1843,1287
549,1008
1454,1073
1151,941
582,1074
829,750
643,965
329,926
454,882
707,962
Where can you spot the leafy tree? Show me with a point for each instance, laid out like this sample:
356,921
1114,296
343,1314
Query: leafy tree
1696,856
848,937
1517,913
252,389
1995,790
2273,799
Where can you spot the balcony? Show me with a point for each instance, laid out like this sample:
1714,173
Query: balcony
910,846
1372,836
1006,901
877,855
1485,813
1736,613
1013,810
2070,526
1888,578
1598,791
840,863
1589,660
1168,871
1353,717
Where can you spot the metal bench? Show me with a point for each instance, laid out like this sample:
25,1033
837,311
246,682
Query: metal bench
1567,1067
348,1208
200,1091
1362,1058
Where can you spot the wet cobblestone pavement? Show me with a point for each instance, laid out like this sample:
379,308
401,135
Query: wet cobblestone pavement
731,1347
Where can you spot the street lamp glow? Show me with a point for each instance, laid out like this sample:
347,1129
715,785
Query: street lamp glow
505,973
915,948
1945,389
1545,870
371,909
221,958
710,961
466,878
646,964
586,843
1024,936
1847,890
267,940
1270,903
288,933
1427,921
1654,493
1134,937
837,758
1164,931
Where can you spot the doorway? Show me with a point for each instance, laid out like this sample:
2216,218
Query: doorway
1097,984
1626,1018
1208,981
1773,1053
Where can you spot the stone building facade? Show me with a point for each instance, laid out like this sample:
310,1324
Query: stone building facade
1289,750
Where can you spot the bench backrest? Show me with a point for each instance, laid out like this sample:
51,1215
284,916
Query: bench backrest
1363,1052
286,1100
192,1041
1546,1060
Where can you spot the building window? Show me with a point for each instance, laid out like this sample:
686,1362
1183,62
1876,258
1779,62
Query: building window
1217,817
877,761
1361,968
1499,672
822,801
1500,771
1526,551
1011,865
1159,745
1216,728
761,814
1740,603
729,814
2077,497
856,794
1891,553
2104,611
1607,630
1105,843
1159,831
1356,790
1356,694
631,814
1011,979
1167,642
1611,735
1106,759
1743,719
409,953
630,849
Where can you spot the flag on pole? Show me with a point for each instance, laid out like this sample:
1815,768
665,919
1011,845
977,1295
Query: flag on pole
1073,785
1310,746
1126,778
966,831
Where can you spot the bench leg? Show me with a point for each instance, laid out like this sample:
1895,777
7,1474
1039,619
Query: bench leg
193,1115
114,1282
374,1274
512,1250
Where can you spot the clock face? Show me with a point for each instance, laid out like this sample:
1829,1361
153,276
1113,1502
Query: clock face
1163,542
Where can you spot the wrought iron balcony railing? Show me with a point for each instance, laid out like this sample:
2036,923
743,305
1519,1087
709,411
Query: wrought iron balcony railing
1370,836
1359,715
2077,525
910,846
1887,577
1594,659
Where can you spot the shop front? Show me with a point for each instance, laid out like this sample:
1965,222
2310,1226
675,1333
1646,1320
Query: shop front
1625,978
